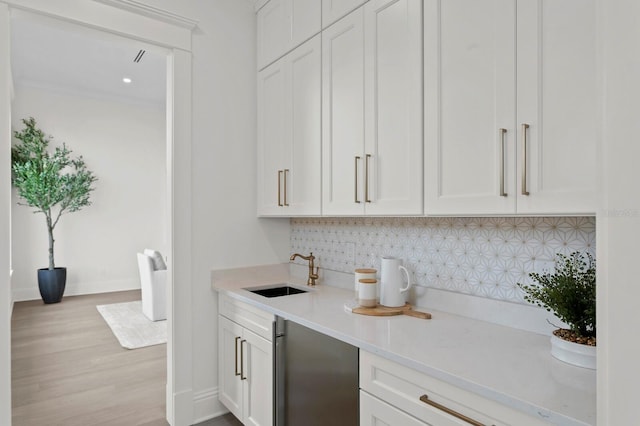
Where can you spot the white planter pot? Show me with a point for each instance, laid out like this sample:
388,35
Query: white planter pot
573,353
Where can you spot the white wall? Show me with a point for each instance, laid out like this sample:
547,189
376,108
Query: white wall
618,225
226,232
124,144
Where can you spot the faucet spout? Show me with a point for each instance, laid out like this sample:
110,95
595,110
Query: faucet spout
293,256
313,270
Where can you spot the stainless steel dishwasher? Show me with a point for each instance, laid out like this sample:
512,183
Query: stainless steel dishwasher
315,378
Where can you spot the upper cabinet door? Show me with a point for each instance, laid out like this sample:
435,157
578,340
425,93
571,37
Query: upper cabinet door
393,107
470,79
273,140
343,116
289,134
304,114
333,10
557,99
285,24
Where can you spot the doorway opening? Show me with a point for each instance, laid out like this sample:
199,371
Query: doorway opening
75,82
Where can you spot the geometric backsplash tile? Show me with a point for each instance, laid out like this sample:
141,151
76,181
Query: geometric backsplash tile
485,257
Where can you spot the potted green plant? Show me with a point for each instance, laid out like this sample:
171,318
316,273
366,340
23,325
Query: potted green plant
53,184
570,293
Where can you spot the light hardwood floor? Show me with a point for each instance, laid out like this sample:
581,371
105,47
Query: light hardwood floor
69,369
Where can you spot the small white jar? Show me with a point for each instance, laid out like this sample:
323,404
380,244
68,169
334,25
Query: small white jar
364,273
367,292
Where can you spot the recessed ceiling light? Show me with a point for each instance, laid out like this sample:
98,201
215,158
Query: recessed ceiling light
126,80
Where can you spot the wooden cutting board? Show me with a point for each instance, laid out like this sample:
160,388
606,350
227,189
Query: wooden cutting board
386,311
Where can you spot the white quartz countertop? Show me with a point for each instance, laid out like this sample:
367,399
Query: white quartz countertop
510,366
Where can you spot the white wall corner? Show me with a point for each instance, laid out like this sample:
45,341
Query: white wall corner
206,405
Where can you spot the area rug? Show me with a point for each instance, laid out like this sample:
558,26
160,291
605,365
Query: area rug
132,329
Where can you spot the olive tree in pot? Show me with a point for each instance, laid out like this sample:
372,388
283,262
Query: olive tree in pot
53,184
570,293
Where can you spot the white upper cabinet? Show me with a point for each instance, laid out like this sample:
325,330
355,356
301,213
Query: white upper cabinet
372,111
343,116
485,93
285,24
273,144
332,10
289,134
393,107
469,97
557,99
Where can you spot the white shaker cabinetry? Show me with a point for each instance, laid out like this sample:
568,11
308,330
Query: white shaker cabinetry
289,134
332,10
245,361
557,100
285,24
372,111
397,395
510,106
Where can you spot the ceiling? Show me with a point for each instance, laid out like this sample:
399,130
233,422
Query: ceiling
54,54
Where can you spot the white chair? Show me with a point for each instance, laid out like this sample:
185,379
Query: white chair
153,282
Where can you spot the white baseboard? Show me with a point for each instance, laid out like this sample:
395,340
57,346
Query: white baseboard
77,289
207,406
182,413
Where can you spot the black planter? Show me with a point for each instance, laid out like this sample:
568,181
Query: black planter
51,283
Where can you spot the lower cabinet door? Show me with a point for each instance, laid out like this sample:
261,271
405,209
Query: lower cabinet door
257,379
374,412
230,392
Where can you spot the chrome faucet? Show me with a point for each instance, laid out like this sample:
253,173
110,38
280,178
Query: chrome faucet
313,276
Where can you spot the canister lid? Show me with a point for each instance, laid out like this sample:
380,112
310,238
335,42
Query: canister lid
368,281
366,271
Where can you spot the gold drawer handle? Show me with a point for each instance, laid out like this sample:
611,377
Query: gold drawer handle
285,187
502,191
426,400
356,186
242,376
279,194
236,355
525,191
366,179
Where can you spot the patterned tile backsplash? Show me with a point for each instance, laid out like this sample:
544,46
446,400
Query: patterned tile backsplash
485,257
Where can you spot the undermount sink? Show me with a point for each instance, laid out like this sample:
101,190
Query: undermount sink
276,290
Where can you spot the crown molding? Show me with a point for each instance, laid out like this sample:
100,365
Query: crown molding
152,12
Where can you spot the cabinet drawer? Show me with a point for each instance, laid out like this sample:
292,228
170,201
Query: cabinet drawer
374,412
250,317
402,387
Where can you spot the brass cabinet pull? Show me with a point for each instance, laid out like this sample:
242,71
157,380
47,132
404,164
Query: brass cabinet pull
242,376
236,355
279,179
502,133
285,187
426,400
366,179
356,186
524,159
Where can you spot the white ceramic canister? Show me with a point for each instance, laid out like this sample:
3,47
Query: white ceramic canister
367,292
363,273
391,290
